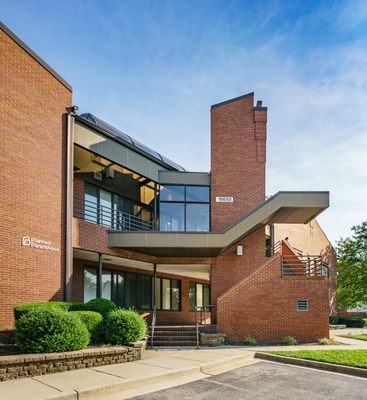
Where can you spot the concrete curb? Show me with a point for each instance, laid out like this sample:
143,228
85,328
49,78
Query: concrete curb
208,368
132,383
341,369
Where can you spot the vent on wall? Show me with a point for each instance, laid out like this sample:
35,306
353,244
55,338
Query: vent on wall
302,305
98,175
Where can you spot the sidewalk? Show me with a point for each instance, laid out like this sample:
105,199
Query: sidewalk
159,369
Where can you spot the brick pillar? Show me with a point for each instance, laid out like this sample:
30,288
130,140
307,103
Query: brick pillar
238,155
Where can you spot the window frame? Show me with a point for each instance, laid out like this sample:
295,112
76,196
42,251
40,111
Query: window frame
185,202
138,278
203,294
99,218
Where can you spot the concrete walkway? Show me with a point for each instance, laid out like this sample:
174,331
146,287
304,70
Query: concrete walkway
158,370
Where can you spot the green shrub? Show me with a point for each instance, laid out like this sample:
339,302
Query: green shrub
102,306
50,330
124,326
250,341
350,322
289,340
23,309
94,323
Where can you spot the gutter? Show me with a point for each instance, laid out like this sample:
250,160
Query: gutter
69,208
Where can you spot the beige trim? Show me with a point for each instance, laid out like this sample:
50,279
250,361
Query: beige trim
184,178
284,207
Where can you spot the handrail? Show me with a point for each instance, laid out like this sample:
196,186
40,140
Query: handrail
276,248
154,321
302,265
110,217
200,317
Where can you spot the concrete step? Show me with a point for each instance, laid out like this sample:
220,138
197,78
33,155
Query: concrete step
173,333
173,343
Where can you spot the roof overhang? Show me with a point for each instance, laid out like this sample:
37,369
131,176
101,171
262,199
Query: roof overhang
284,207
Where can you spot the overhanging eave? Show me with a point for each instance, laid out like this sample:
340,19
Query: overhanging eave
284,207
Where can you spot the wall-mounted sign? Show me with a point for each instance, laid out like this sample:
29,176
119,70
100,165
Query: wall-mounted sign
224,199
39,244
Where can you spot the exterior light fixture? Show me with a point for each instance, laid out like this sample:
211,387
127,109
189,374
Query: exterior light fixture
239,251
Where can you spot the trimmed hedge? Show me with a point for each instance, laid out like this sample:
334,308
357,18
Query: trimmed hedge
102,306
124,326
23,309
94,323
48,330
350,322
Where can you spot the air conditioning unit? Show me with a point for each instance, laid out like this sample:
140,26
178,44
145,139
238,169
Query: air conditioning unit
110,172
98,175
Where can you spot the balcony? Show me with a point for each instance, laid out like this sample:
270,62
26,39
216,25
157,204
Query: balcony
109,217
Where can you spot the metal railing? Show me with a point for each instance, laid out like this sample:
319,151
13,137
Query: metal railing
112,218
302,265
200,319
276,248
152,329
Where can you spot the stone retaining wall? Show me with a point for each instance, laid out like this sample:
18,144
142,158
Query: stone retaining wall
28,365
212,339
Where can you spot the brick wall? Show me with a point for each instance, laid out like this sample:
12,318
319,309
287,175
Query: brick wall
263,306
238,153
311,239
228,268
33,155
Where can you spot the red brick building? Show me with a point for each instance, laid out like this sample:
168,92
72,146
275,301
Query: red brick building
87,211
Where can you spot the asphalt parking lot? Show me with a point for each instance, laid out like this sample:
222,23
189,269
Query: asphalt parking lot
268,381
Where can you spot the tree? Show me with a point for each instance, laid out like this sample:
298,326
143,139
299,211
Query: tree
352,268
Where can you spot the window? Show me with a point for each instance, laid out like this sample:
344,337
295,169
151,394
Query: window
197,194
172,193
199,295
128,289
302,305
115,211
170,294
172,216
324,270
184,208
90,284
197,217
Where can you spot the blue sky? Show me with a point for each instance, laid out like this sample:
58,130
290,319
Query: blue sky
153,68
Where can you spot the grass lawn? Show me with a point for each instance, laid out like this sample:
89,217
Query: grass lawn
352,358
359,337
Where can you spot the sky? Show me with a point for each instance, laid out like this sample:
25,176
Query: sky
154,68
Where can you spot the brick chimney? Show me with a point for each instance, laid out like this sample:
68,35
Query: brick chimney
238,155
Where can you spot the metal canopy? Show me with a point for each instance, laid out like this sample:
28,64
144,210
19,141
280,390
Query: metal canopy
284,207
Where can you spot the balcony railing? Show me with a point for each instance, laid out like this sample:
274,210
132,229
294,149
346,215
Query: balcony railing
302,265
109,217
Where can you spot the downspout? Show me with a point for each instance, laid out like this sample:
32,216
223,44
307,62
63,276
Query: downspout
68,211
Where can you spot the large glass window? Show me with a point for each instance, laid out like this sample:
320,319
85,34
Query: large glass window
91,204
197,217
172,193
197,194
185,208
128,289
106,285
172,216
90,284
199,295
115,211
